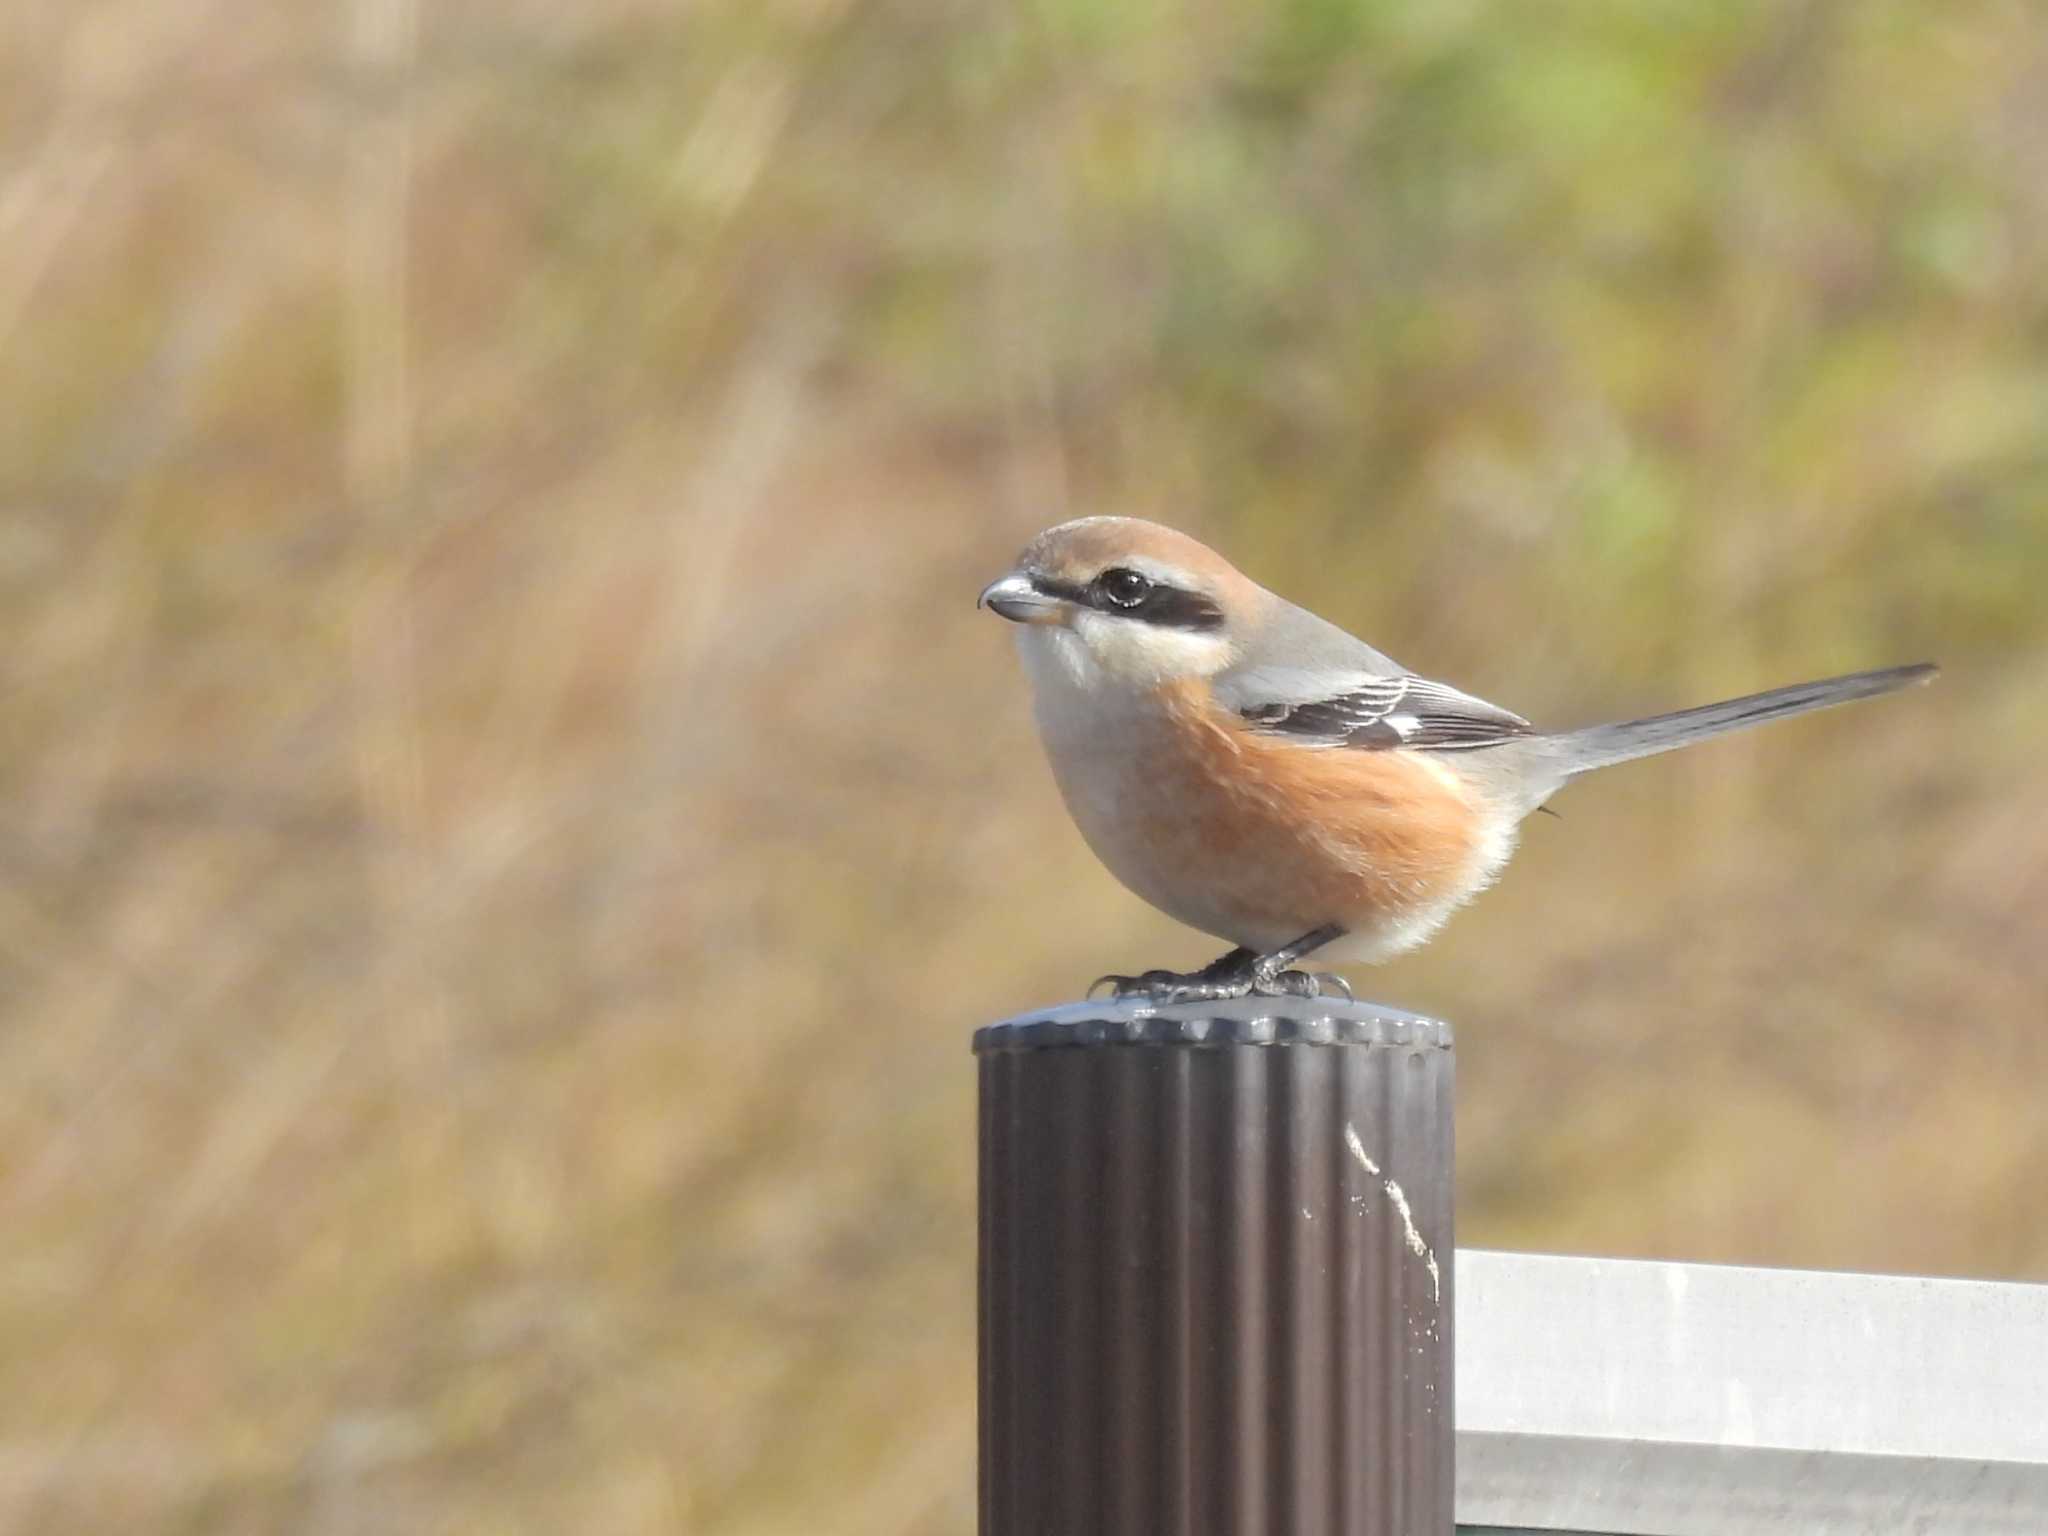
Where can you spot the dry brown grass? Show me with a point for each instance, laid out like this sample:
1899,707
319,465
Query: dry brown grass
509,815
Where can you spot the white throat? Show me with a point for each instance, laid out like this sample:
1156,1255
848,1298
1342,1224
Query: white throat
1098,651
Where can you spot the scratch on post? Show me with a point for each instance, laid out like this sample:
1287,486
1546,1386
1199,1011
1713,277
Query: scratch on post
1399,1199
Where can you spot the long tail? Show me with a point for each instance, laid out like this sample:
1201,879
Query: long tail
1597,746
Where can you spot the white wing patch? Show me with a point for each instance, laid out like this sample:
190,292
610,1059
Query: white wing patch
1383,712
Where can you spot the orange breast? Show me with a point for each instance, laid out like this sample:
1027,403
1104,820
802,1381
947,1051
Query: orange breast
1259,839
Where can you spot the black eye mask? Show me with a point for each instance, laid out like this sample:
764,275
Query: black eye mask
1168,607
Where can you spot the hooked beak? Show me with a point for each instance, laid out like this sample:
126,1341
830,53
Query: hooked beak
1017,599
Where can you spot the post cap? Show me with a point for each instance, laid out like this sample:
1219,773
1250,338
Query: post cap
1235,1021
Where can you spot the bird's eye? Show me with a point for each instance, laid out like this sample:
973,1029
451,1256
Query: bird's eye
1124,587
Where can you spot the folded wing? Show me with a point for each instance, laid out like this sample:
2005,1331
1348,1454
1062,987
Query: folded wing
1371,712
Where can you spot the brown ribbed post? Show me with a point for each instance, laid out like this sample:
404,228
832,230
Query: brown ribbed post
1216,1271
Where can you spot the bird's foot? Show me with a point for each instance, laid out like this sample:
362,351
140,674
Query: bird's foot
1240,973
1164,987
1291,983
1272,974
1304,984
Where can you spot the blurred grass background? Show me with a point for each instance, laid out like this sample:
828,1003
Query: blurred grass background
509,814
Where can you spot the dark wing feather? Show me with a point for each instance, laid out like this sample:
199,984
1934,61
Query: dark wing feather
1384,712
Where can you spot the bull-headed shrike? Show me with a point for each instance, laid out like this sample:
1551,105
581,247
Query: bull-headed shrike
1255,772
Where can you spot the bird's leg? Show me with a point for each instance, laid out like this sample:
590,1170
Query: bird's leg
1235,974
1230,970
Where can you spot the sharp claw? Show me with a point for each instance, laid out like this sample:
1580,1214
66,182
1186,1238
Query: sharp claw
1332,979
1153,986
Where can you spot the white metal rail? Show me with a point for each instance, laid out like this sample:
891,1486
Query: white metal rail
1648,1399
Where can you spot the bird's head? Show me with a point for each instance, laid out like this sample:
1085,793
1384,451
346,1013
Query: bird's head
1118,599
